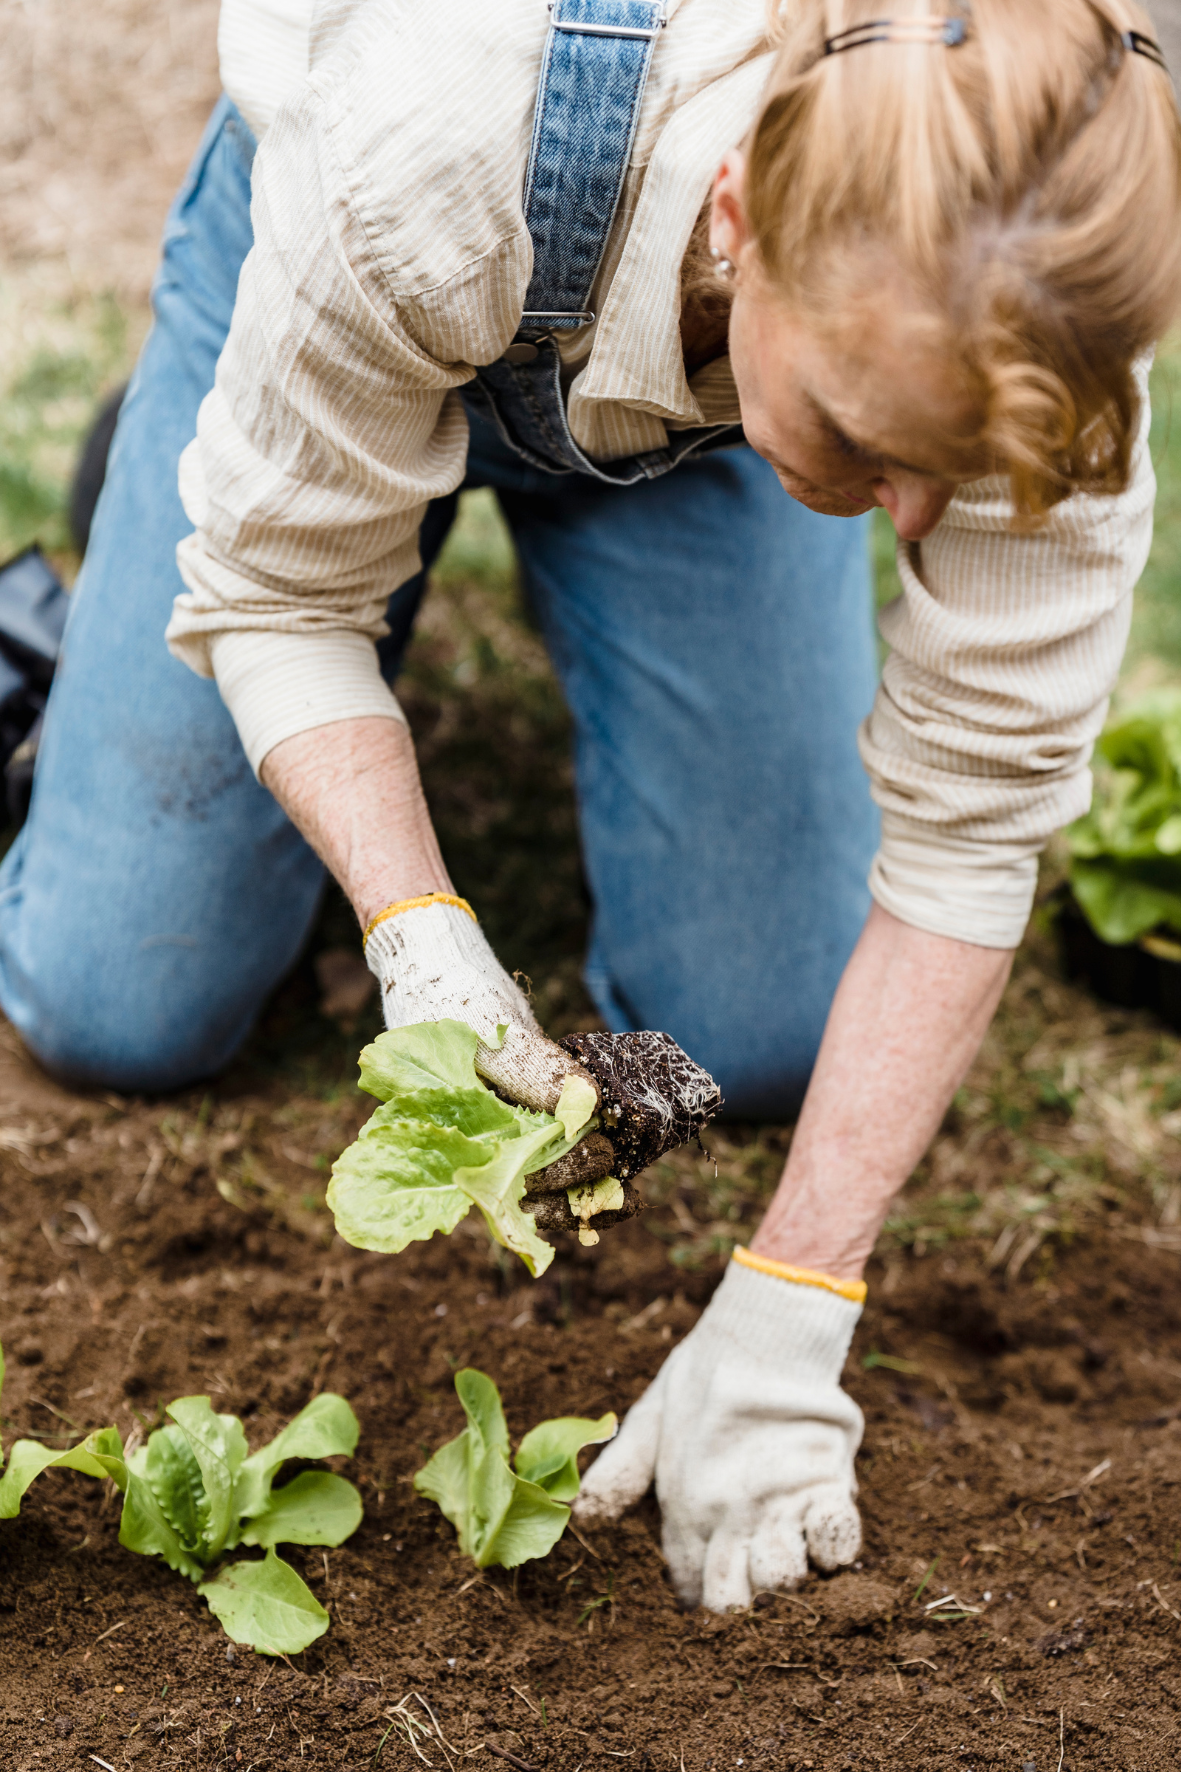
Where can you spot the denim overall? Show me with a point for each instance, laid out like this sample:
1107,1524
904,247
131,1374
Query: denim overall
712,639
588,103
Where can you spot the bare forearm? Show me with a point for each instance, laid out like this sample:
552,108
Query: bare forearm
354,791
905,1024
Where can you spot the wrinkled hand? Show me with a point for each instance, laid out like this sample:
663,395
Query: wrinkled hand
751,1442
434,963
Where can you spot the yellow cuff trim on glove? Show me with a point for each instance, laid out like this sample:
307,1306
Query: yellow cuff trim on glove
854,1290
416,904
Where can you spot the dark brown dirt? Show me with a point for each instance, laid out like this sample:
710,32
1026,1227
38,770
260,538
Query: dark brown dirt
215,1270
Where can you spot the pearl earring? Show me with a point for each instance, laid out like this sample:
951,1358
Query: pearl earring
723,268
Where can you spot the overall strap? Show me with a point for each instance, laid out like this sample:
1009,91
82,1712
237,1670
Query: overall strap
593,74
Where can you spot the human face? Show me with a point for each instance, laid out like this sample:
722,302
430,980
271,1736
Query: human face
867,409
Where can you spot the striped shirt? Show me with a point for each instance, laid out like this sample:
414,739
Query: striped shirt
391,257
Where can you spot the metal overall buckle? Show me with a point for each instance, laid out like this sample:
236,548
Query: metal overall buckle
533,321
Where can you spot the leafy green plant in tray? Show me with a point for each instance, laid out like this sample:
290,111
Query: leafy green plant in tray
194,1493
507,1513
1125,869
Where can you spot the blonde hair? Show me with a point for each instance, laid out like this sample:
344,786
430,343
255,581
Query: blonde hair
1026,183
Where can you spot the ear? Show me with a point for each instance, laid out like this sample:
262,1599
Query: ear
729,230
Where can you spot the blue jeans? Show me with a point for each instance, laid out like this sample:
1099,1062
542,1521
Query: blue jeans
714,642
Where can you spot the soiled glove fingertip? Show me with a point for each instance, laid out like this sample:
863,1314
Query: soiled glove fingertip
730,1593
833,1531
611,1495
589,1509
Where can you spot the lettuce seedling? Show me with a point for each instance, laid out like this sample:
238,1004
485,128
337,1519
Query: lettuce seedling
194,1493
1125,868
442,1142
505,1515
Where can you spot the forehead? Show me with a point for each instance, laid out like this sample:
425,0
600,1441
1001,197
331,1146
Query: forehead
886,370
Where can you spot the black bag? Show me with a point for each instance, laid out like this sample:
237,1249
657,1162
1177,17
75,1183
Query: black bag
33,606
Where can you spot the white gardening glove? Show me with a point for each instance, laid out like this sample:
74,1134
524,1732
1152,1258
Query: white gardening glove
750,1439
433,963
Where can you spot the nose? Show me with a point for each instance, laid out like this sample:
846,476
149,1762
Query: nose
914,502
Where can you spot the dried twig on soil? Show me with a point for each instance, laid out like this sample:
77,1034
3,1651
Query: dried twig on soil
1164,1605
1092,1476
575,1533
502,1753
414,1730
949,1608
144,1192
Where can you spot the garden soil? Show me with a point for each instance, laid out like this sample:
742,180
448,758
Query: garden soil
1017,1603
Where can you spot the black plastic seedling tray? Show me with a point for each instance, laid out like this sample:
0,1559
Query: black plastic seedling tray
1143,974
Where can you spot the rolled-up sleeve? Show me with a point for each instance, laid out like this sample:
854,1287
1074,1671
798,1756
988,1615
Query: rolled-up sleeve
1004,647
328,431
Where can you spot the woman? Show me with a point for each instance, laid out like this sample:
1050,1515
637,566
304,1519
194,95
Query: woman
941,251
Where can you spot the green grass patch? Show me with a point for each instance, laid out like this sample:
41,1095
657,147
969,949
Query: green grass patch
60,366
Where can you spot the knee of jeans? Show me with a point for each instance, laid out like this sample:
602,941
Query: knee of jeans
87,1040
768,1085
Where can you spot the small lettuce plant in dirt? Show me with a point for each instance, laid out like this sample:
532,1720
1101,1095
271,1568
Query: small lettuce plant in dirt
1125,868
442,1142
507,1513
194,1493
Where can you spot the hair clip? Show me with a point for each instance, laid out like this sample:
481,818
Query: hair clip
950,32
1136,43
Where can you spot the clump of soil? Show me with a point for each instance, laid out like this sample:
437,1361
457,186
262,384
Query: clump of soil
1017,1599
654,1097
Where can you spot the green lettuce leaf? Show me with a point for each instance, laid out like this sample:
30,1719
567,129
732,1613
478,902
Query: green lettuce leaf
1123,900
1126,851
219,1447
169,1466
498,1186
449,1477
314,1508
191,1467
266,1606
442,1142
429,1055
396,1184
99,1455
576,1107
549,1455
325,1428
146,1529
504,1516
